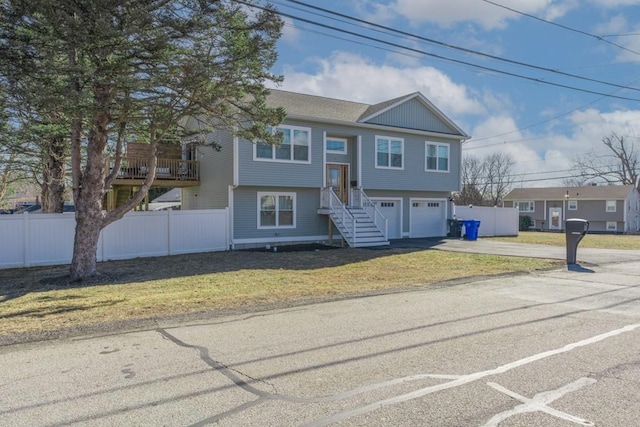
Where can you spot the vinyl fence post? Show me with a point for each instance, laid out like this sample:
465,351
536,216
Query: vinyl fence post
25,224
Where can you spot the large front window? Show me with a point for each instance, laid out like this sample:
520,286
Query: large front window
437,158
389,152
276,210
295,146
525,206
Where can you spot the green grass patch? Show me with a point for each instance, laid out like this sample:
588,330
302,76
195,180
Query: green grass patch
39,299
600,241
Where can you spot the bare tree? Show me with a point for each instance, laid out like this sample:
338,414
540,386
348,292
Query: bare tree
618,166
575,181
485,181
472,174
498,177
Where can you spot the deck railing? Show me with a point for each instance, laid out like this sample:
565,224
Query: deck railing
166,169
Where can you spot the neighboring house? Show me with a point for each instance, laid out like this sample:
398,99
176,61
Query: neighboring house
610,208
168,201
369,172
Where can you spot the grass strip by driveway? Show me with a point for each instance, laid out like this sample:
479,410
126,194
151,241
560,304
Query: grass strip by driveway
40,299
599,241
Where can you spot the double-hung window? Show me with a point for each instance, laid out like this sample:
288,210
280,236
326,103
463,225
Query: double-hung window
527,206
276,210
295,146
389,152
611,205
572,205
437,157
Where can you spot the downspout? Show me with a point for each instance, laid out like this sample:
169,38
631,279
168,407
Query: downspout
230,198
324,160
360,184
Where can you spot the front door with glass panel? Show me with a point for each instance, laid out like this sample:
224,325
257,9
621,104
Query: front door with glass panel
338,179
555,218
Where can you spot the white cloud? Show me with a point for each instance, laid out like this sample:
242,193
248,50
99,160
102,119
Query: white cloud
355,78
290,34
452,11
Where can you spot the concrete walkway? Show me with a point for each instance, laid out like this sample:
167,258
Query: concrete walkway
494,247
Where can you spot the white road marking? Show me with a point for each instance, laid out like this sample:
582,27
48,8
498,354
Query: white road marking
539,403
466,379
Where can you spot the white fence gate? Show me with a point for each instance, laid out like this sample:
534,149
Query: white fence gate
47,239
493,221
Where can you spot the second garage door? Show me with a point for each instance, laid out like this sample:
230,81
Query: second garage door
427,218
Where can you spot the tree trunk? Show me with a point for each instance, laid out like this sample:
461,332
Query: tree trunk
88,200
53,171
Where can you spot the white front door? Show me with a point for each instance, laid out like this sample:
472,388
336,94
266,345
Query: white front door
555,218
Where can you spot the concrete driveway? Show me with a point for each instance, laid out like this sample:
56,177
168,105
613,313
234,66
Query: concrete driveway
494,247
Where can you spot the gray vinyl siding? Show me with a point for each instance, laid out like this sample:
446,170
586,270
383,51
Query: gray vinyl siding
271,174
308,221
593,211
216,175
596,210
406,197
412,115
413,177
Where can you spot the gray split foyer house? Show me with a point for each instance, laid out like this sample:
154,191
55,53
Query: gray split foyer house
364,173
608,208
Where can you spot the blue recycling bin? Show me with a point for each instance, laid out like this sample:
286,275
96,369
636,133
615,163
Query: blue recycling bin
471,227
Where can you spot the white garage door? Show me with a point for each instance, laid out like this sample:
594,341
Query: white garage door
427,218
392,210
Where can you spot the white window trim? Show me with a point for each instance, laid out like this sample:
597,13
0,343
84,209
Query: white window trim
530,202
276,194
615,226
346,144
607,204
437,144
569,208
273,147
375,158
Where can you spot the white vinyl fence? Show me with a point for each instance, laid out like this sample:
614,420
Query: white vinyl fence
47,239
493,221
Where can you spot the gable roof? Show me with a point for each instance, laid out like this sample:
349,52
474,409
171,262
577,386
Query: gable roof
313,107
592,192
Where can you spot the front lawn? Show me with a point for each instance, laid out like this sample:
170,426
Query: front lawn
601,241
40,299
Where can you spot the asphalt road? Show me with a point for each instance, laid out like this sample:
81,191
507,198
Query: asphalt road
557,348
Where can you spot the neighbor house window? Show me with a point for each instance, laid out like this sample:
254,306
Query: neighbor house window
276,210
611,205
336,145
572,205
612,226
437,157
295,146
389,152
525,206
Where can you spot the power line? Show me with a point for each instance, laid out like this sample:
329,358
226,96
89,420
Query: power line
433,55
584,33
455,47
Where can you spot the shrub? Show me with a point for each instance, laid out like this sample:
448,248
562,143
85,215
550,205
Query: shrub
525,223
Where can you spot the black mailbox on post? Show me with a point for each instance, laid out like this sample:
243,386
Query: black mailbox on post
575,230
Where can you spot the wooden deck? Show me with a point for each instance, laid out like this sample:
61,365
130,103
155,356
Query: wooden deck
170,173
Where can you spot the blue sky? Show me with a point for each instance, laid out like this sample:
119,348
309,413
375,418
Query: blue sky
543,127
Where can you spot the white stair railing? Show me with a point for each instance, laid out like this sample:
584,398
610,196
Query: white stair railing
339,211
361,200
